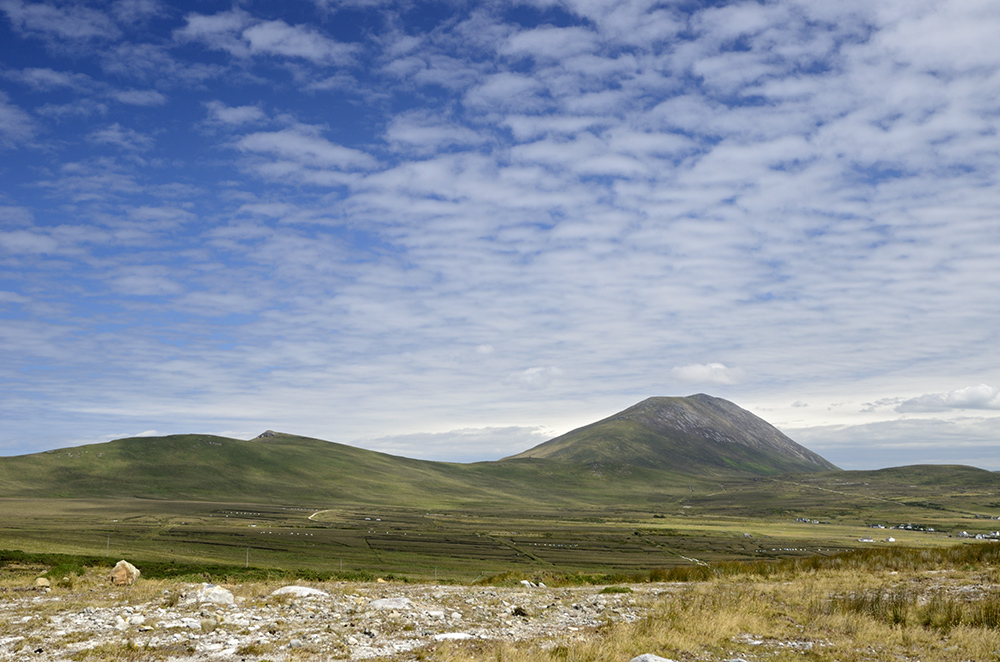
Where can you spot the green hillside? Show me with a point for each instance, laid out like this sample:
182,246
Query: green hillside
303,470
698,435
648,453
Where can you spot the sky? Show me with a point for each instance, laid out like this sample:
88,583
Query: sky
454,230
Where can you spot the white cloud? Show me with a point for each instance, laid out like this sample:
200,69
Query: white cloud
442,211
137,11
16,126
219,31
536,378
27,241
140,97
302,147
428,133
550,42
709,373
234,115
241,35
279,38
74,21
122,137
43,78
970,397
507,91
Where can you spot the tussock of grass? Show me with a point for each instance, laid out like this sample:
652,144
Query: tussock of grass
930,605
939,611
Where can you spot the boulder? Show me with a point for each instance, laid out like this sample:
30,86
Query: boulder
214,594
124,574
42,582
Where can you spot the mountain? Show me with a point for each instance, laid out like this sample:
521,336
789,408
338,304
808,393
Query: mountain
657,443
699,435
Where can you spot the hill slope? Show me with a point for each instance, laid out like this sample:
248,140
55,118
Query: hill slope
291,469
646,452
699,434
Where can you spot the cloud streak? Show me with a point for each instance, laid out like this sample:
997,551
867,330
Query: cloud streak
970,397
274,218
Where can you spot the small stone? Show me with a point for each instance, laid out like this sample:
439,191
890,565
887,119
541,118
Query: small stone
649,657
42,582
301,592
391,603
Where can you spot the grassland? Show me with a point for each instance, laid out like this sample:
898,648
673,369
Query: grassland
698,522
875,605
295,503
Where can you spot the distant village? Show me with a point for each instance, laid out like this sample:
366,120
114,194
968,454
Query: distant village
992,535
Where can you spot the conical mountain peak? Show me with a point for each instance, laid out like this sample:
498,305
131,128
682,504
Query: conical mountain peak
698,434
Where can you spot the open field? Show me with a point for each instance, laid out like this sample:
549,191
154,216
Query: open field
765,568
738,520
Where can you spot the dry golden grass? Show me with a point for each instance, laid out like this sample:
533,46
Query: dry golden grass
926,606
796,618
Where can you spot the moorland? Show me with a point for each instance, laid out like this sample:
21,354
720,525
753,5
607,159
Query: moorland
669,482
760,548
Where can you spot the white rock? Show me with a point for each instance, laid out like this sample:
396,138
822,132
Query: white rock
124,574
453,636
215,595
649,657
391,603
301,592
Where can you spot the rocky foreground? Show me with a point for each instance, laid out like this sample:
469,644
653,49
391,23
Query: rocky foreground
270,622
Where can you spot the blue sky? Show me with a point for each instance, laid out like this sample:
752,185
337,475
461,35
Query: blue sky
454,230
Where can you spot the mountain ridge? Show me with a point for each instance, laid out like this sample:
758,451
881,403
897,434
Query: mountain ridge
678,440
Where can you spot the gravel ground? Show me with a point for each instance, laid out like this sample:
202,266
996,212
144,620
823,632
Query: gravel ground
324,621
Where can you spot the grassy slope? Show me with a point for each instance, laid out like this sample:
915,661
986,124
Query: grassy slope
302,470
605,443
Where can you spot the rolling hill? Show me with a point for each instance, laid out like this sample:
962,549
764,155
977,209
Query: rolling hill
658,442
